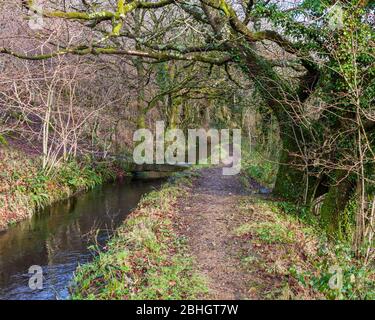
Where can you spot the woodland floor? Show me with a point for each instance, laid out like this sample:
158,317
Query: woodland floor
207,218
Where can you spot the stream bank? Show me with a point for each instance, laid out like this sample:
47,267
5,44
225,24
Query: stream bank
146,259
26,188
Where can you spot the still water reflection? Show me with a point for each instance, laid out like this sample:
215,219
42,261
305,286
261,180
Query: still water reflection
58,237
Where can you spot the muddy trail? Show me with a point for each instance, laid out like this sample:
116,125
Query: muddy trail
207,217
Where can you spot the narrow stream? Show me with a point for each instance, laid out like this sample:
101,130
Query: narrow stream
57,239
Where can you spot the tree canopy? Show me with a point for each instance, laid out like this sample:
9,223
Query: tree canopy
310,61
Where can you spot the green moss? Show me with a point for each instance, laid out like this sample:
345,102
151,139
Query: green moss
3,141
336,200
290,182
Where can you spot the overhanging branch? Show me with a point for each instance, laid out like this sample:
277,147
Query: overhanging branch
160,56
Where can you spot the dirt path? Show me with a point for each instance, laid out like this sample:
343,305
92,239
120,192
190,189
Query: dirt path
207,216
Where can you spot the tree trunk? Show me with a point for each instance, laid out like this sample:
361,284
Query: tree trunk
290,181
334,204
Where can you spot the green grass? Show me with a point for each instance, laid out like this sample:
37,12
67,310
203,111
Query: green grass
146,259
358,279
259,166
288,244
268,232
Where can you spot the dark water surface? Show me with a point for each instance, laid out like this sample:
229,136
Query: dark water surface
58,237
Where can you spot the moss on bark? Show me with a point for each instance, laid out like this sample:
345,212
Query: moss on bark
335,203
290,182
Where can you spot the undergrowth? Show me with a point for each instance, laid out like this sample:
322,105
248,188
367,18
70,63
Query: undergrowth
25,187
258,165
298,247
335,261
290,247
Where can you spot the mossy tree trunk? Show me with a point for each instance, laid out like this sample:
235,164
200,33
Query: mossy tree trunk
281,97
335,201
290,181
